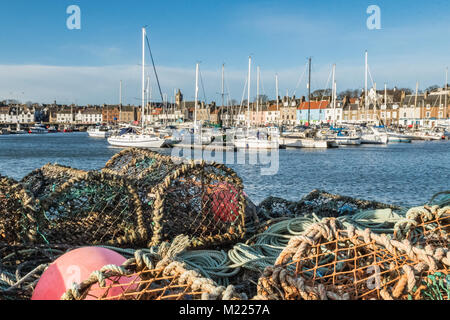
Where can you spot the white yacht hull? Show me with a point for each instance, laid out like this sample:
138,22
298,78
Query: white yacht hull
137,141
374,139
399,139
256,144
38,131
347,141
307,143
99,134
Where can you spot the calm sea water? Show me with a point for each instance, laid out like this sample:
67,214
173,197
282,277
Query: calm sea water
402,174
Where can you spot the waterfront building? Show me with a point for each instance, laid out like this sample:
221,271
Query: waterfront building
334,115
317,112
65,115
128,114
272,115
427,109
110,114
288,110
89,115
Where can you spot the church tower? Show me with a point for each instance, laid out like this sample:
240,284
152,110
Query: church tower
178,98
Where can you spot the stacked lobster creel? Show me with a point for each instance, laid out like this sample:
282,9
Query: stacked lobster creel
155,274
18,213
429,227
46,180
330,262
203,200
93,208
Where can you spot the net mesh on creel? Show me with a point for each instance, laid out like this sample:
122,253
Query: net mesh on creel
43,181
151,275
140,198
95,208
427,225
22,265
203,200
330,262
17,213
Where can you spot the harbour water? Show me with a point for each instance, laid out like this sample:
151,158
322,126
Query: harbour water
401,174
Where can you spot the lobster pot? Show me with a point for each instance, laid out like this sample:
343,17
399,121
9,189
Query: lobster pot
144,167
204,201
150,276
42,182
139,163
17,213
330,262
427,225
330,205
95,208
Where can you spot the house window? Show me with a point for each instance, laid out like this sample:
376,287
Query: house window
428,114
428,106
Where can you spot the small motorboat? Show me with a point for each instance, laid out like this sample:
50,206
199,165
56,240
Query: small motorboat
38,129
99,132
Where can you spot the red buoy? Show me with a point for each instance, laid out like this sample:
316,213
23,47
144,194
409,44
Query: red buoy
224,201
75,267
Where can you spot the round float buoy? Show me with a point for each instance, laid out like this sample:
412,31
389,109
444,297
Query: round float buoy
75,267
224,201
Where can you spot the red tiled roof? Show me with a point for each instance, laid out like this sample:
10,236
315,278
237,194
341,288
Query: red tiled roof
314,105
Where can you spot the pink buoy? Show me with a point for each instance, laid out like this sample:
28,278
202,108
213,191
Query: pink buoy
75,267
224,201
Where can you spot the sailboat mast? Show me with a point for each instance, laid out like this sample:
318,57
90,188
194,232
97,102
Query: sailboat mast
257,95
334,106
309,92
248,89
276,85
143,76
120,101
375,103
446,93
333,94
366,95
148,98
223,90
385,102
196,98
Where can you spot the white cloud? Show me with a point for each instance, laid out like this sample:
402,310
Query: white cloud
97,85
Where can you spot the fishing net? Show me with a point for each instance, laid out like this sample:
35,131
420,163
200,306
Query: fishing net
17,213
95,208
325,204
140,198
330,262
154,275
21,267
425,226
43,181
203,200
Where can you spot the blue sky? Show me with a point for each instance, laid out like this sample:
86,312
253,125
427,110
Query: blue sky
41,60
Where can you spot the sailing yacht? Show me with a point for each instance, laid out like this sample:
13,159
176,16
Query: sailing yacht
130,137
255,139
373,135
